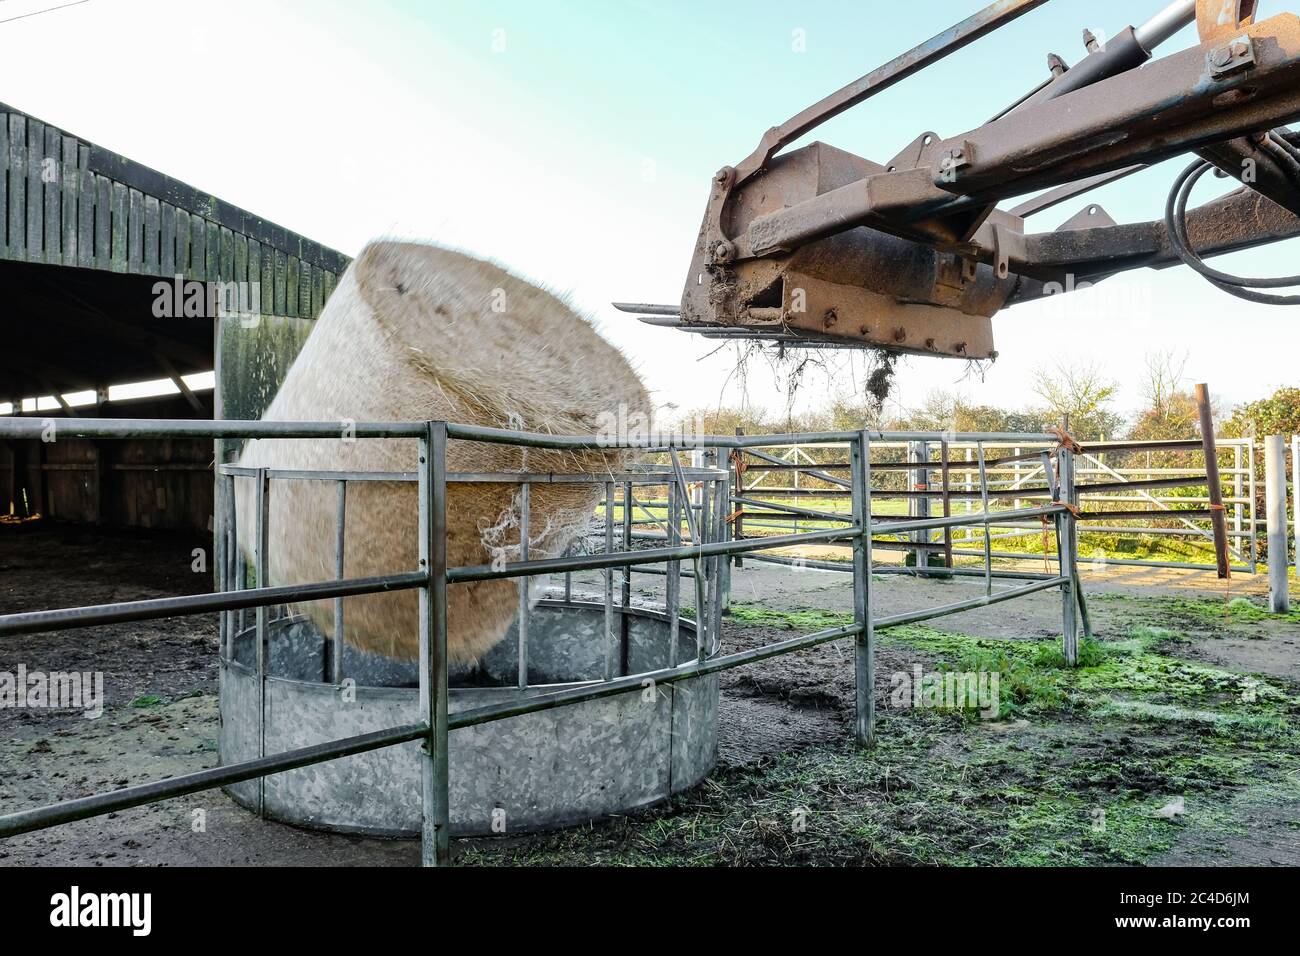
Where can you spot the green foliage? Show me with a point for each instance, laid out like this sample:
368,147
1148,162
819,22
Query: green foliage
1023,686
1175,417
1084,394
1279,414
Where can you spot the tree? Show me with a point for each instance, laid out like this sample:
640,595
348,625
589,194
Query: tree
1164,379
853,411
1170,411
950,411
721,421
1279,414
1083,393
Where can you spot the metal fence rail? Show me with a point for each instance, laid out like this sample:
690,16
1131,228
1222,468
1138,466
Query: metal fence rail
432,578
1009,473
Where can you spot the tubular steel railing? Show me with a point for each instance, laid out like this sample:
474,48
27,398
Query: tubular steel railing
1108,495
709,551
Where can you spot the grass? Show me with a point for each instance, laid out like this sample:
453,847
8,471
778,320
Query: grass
1085,766
1238,610
1240,616
805,620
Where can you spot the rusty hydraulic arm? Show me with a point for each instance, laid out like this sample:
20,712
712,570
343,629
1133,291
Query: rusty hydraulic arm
818,247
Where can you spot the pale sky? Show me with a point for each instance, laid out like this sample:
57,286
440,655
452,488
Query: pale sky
574,142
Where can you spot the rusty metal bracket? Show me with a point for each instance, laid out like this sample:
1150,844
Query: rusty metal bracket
1091,216
914,154
1001,255
1217,20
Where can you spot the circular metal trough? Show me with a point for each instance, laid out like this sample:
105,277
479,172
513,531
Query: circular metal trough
564,765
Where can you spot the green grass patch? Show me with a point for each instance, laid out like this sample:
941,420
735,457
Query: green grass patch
1216,614
805,620
1112,762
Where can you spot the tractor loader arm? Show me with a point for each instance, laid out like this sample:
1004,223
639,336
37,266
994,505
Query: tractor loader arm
818,247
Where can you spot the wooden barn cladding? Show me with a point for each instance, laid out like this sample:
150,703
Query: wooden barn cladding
85,235
64,201
137,483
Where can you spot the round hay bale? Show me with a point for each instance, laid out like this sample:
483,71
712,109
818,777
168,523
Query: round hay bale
413,333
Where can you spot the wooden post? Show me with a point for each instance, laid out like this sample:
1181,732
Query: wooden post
1217,519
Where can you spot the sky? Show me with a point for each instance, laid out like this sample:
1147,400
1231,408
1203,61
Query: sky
574,143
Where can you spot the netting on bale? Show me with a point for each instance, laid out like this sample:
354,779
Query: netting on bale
414,333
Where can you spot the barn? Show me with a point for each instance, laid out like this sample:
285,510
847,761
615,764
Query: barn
113,274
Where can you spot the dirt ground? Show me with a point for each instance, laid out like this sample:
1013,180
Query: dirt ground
938,789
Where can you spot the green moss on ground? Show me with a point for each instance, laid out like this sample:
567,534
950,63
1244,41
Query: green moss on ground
1112,762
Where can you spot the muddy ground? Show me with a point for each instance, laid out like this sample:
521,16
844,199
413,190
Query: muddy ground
1177,745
